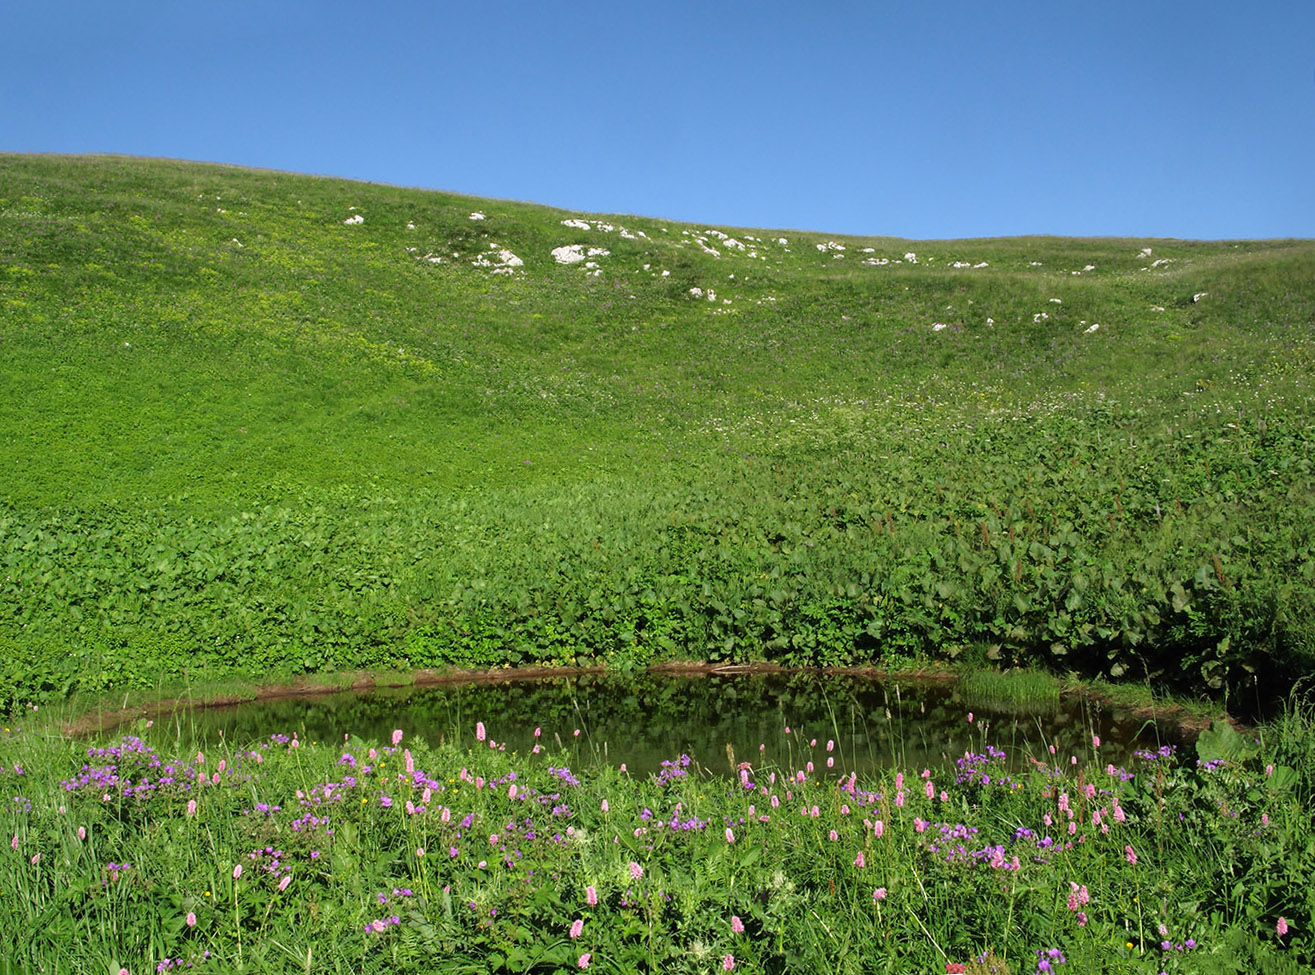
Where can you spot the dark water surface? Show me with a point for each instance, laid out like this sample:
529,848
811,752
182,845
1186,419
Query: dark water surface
718,720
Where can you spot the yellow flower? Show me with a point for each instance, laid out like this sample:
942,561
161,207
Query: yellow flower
1129,945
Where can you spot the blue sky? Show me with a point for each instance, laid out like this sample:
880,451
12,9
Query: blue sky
925,120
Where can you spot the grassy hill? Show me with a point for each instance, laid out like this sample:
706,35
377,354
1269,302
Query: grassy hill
268,423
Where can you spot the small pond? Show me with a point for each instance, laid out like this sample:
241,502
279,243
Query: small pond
786,720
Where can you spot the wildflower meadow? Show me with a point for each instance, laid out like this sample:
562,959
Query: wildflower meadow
145,853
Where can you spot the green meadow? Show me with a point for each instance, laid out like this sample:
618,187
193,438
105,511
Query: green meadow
258,426
262,423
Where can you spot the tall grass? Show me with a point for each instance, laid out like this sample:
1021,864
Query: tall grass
288,855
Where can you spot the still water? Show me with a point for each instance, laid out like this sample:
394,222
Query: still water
783,720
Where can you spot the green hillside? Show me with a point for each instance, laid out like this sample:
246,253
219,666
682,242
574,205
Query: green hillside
263,423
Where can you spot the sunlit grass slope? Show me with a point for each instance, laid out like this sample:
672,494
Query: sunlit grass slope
255,420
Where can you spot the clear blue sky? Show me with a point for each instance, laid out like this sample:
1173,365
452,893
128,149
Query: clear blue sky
915,119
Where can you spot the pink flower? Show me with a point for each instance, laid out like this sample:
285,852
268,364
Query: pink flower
577,927
36,858
223,765
878,828
970,717
410,762
397,737
604,806
283,884
929,789
378,926
636,871
727,963
737,926
860,861
82,832
899,799
730,836
13,844
191,919
1130,855
590,896
191,807
237,871
420,851
1095,741
879,894
833,836
1282,927
583,960
479,731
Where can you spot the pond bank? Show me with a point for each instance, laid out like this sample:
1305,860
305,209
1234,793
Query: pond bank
1183,718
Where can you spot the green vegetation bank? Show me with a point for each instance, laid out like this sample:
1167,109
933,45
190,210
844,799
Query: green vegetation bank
255,422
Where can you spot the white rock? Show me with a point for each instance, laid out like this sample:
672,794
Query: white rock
477,216
576,224
353,220
1145,252
568,254
696,292
1093,328
939,326
410,225
1198,296
911,257
1056,301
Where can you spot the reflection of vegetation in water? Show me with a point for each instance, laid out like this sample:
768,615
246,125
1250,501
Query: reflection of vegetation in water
643,720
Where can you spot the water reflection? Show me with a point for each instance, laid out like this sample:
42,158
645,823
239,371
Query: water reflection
857,724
